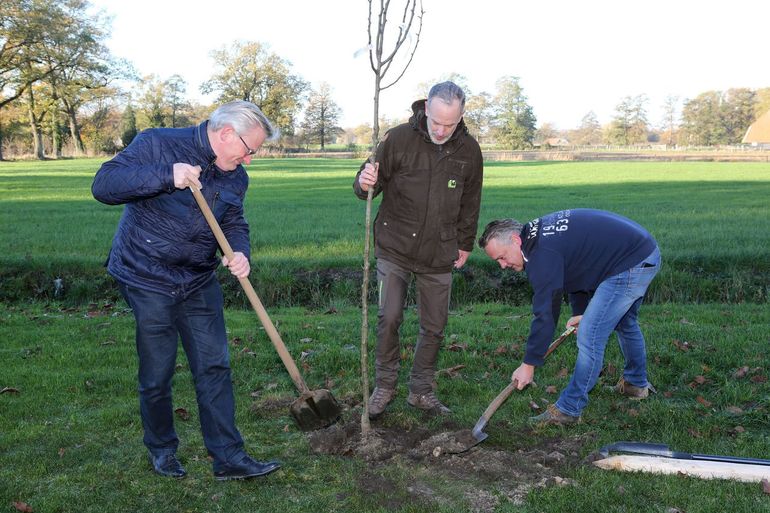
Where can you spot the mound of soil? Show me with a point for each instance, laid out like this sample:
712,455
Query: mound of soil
442,466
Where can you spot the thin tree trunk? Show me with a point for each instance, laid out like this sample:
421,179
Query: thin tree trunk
365,425
34,125
74,129
56,139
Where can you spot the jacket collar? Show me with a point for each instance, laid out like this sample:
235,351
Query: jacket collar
202,143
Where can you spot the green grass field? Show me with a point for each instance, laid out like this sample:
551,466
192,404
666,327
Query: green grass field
712,220
70,436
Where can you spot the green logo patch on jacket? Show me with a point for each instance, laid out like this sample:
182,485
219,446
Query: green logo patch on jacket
452,184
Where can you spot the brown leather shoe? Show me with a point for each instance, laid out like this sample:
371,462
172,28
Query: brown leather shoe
632,391
428,402
553,416
379,400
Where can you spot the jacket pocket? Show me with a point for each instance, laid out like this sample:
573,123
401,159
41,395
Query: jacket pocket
147,254
397,236
447,252
222,202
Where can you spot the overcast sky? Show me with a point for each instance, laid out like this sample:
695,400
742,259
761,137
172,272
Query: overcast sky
571,56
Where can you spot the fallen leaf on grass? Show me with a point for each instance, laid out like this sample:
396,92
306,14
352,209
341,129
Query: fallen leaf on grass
62,450
682,346
633,412
703,401
741,373
330,311
501,350
684,321
533,405
766,486
23,506
457,347
182,413
694,433
758,378
737,430
550,389
563,373
9,390
735,410
697,381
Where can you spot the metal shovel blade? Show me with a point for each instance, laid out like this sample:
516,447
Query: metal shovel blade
315,409
478,430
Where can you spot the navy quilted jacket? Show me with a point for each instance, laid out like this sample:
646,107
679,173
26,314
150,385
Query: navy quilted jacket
163,243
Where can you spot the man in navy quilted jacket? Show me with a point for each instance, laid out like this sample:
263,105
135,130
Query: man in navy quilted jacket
163,258
604,262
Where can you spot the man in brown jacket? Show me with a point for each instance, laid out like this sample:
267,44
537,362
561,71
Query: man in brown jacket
430,173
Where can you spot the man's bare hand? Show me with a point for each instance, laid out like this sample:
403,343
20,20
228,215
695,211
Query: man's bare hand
523,376
239,267
368,176
574,322
186,175
462,258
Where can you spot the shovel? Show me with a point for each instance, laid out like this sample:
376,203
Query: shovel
313,409
662,450
478,431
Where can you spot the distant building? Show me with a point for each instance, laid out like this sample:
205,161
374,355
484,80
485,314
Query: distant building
758,133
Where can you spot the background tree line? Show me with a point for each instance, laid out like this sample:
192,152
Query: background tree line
63,93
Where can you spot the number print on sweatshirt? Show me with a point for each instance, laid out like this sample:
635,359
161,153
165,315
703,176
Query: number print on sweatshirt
561,223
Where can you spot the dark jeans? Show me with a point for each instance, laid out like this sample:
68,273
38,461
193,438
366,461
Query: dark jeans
433,293
199,320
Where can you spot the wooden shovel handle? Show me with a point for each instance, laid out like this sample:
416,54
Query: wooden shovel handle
556,343
499,400
256,304
507,391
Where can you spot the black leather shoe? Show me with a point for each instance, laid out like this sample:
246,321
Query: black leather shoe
246,468
167,465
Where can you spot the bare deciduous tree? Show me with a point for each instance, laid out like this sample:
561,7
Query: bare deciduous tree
381,62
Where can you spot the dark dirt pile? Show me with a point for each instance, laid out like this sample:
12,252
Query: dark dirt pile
447,467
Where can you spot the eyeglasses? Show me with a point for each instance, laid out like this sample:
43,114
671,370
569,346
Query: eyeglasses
249,151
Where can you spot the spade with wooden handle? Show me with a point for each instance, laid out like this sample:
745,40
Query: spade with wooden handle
478,431
313,409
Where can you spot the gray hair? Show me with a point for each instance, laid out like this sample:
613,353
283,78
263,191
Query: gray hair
500,230
447,92
242,116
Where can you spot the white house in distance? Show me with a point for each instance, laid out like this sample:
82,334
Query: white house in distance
758,134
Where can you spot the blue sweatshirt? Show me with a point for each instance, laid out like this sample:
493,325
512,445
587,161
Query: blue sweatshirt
573,251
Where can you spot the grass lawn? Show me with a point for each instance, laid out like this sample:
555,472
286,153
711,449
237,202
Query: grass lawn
712,220
71,437
70,434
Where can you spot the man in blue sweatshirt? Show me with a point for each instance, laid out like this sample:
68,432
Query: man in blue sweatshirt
604,262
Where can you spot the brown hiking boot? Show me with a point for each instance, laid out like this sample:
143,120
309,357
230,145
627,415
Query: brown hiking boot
553,416
632,391
379,400
428,402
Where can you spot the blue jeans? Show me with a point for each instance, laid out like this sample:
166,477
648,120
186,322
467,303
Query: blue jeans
613,307
198,320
